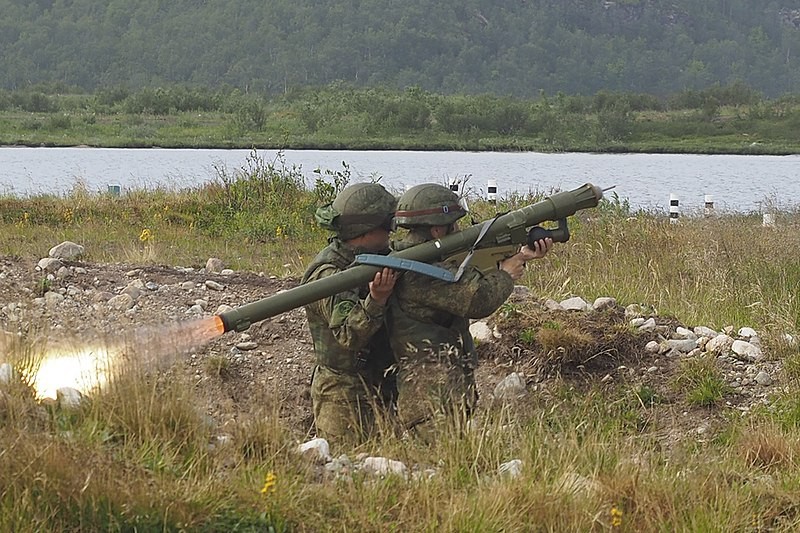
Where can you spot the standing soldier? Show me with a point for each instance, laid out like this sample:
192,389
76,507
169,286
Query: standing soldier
354,363
429,318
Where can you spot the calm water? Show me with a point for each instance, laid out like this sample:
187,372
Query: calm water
736,183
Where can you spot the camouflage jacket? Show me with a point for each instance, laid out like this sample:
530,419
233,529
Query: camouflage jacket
349,328
429,318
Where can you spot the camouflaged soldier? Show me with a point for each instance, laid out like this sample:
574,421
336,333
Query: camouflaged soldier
429,317
354,364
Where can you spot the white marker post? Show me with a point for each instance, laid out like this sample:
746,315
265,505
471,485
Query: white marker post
709,205
491,191
768,220
674,211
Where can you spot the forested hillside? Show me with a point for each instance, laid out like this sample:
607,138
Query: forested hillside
508,47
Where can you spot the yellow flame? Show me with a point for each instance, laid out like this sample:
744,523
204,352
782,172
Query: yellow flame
90,368
85,369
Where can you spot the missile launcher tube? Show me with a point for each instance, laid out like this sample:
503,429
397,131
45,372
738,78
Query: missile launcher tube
556,207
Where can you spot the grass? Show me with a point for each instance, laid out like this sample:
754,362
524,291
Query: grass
137,458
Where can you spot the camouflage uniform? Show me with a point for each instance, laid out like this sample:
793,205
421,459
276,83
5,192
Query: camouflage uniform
354,363
429,325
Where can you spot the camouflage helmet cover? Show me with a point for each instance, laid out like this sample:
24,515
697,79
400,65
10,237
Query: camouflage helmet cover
357,210
428,204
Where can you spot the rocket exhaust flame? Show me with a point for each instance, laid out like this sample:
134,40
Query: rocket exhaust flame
90,367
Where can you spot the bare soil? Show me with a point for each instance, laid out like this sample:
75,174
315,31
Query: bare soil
577,349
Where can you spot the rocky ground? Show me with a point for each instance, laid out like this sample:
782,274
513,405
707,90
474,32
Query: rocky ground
539,344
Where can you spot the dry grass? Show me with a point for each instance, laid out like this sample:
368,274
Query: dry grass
138,457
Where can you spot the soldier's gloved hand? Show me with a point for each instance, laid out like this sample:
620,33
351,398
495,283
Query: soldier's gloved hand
382,285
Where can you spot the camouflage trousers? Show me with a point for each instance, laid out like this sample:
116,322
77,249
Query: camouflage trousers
434,392
347,408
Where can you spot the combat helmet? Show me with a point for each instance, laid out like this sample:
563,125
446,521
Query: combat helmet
428,204
357,210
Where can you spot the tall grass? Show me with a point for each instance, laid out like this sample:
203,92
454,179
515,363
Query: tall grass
141,457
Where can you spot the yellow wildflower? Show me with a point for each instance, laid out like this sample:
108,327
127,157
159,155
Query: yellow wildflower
616,517
269,483
146,235
279,231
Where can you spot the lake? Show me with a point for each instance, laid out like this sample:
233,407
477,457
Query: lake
735,183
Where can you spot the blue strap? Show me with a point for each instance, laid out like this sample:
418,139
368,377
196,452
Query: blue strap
397,263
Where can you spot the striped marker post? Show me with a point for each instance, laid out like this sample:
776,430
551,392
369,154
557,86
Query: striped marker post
709,205
674,211
491,191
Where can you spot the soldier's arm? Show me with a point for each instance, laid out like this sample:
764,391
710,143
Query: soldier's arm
352,320
475,295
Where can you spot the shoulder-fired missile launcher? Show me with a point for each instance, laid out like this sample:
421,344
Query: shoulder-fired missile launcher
485,243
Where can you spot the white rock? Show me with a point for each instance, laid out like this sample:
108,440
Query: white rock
683,333
381,466
213,285
747,333
481,331
552,305
511,387
763,379
604,302
317,450
720,344
49,264
187,285
747,351
512,468
682,345
652,347
222,308
703,331
214,265
575,303
121,302
52,299
66,250
649,325
68,398
226,272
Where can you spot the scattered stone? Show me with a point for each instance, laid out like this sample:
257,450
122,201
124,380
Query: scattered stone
213,285
316,450
247,345
720,344
648,325
746,351
214,265
763,379
121,302
187,285
511,387
66,250
381,466
49,264
512,468
604,302
575,303
481,331
68,398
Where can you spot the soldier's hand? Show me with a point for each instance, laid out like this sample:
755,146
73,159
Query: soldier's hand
540,249
515,265
382,285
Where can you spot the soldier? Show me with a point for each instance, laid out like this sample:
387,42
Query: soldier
429,318
354,364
